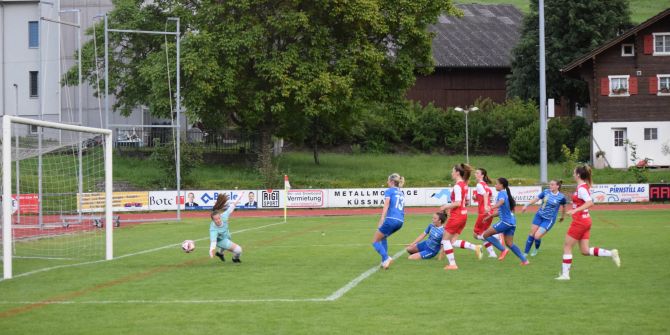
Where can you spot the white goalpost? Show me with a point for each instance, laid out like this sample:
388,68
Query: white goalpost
56,194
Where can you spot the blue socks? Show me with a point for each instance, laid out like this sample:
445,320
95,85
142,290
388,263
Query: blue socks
517,252
379,247
385,245
495,243
537,243
529,243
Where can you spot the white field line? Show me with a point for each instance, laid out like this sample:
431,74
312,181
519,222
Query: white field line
334,296
25,274
354,282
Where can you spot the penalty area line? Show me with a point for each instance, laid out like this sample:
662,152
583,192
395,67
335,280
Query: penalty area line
334,296
354,282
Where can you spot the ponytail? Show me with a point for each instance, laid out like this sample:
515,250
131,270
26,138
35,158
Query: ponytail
505,184
464,170
485,174
559,183
397,179
584,173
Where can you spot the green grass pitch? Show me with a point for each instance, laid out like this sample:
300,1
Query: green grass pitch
299,278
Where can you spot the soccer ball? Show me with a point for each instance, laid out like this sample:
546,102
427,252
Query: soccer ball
188,245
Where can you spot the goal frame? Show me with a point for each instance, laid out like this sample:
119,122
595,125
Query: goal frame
7,243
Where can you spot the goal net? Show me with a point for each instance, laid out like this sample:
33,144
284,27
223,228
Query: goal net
47,170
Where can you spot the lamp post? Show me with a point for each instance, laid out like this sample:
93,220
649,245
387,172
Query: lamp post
467,145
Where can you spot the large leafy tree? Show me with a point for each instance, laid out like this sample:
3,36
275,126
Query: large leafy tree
572,28
297,69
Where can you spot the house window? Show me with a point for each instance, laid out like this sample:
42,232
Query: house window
650,134
33,34
619,86
662,44
618,138
663,84
628,50
32,129
34,93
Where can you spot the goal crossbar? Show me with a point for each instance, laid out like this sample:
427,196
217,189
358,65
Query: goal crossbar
7,241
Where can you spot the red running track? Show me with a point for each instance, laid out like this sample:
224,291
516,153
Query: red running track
139,218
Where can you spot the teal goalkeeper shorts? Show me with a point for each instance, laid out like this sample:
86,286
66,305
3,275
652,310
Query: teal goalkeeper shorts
224,243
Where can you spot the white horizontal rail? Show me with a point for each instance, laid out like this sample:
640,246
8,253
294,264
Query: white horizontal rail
60,126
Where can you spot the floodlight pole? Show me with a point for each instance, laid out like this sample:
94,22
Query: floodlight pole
543,100
177,34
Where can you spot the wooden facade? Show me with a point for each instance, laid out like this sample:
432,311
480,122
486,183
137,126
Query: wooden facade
452,87
624,77
643,103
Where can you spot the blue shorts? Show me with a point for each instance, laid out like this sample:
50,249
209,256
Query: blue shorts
426,252
389,227
504,228
544,223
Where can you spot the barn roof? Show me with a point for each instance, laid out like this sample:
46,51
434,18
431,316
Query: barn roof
483,37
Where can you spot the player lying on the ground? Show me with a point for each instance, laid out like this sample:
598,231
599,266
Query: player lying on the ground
420,249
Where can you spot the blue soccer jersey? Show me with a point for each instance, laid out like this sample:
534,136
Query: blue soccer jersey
434,235
396,209
504,211
550,204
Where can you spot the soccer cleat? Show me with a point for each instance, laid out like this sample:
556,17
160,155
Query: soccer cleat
236,259
533,253
503,254
563,276
220,255
493,256
387,263
524,263
451,267
615,257
478,252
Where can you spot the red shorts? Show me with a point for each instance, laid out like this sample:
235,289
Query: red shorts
455,224
481,225
580,230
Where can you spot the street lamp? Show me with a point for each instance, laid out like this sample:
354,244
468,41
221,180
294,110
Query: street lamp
466,111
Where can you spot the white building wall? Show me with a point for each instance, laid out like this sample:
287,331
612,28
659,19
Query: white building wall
620,157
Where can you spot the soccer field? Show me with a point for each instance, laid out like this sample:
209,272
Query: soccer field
320,275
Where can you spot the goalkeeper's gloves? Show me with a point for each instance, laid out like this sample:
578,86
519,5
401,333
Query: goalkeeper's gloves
212,249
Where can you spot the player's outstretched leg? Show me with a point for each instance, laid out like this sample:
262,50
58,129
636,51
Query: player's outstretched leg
237,252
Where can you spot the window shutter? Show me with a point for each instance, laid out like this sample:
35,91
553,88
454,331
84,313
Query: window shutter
648,44
653,85
632,85
604,86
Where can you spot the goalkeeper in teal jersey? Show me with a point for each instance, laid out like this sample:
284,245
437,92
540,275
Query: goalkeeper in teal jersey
219,235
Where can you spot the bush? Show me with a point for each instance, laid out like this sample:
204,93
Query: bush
569,159
584,146
558,134
525,147
164,156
